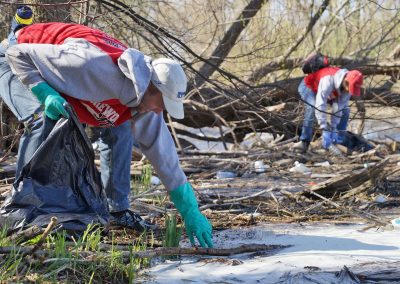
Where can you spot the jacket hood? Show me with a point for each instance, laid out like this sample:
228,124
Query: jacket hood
338,78
136,67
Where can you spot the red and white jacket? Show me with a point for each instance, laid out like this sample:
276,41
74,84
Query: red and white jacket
102,80
325,84
92,70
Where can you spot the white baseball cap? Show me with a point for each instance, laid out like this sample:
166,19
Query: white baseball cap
168,76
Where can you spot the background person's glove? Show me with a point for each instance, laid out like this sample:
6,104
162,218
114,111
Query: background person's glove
335,137
326,139
51,99
196,224
338,136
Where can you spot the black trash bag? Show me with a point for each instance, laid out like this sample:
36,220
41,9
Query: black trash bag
357,142
314,62
60,180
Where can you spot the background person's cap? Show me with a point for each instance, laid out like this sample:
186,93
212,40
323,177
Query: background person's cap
355,79
24,15
168,76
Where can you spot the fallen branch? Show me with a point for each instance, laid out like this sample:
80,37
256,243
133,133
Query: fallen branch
363,215
231,154
347,182
233,200
25,235
164,251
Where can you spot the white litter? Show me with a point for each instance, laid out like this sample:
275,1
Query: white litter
300,168
155,180
380,198
224,175
260,167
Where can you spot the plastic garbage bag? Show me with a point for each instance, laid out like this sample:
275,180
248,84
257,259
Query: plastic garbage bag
60,180
357,143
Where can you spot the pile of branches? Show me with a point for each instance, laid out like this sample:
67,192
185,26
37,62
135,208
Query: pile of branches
334,188
217,96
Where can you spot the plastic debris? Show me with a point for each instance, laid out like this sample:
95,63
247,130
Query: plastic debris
322,164
224,175
380,198
260,167
155,180
300,168
335,151
366,165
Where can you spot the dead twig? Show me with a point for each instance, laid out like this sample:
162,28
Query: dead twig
27,234
47,231
216,202
366,216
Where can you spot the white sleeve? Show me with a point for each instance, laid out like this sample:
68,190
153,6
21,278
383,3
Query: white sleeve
23,65
325,89
75,68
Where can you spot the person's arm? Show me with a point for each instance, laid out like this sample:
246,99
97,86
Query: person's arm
24,67
156,143
325,89
342,103
75,68
23,64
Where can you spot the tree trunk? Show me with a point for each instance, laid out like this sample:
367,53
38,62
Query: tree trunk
228,41
263,70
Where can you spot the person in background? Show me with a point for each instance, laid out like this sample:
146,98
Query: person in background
328,86
110,86
22,18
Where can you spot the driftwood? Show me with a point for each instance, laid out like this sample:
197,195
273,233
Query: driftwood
162,251
216,202
364,215
370,274
344,183
26,234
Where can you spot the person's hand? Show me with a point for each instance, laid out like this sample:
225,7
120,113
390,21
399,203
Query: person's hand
196,224
326,139
51,99
54,107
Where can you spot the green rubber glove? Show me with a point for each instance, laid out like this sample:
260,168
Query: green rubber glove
196,224
51,99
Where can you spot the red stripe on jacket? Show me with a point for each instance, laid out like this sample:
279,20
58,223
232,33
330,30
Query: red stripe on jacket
105,114
312,80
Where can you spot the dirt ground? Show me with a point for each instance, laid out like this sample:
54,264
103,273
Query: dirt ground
316,253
